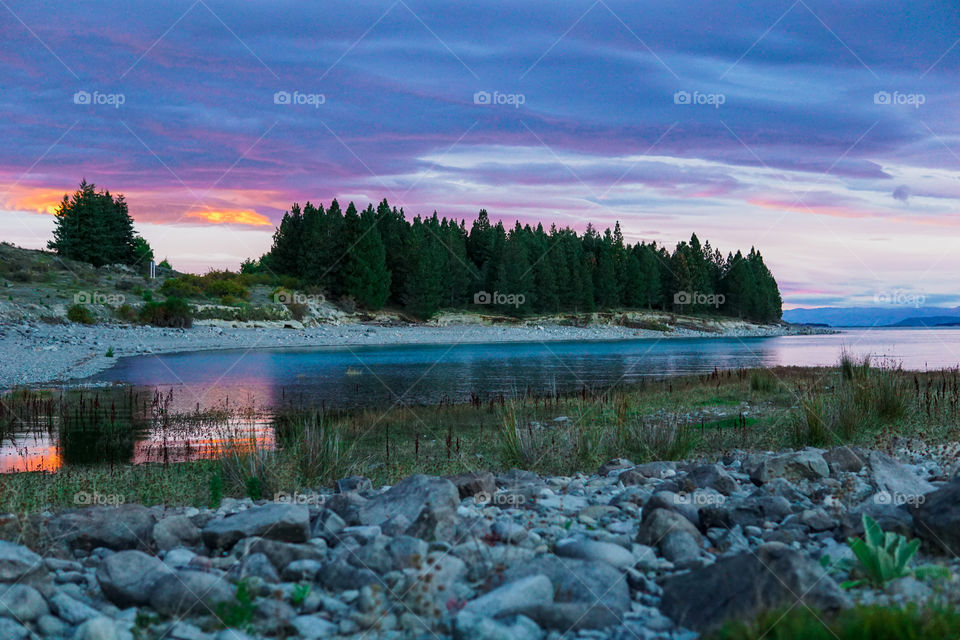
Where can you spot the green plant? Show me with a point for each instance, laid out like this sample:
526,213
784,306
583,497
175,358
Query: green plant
883,556
126,312
109,353
239,613
763,382
254,488
216,490
811,429
80,313
300,593
172,312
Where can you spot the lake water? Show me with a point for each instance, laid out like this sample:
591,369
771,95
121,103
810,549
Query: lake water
350,377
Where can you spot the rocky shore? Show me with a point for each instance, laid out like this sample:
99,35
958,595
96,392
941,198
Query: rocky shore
665,550
37,352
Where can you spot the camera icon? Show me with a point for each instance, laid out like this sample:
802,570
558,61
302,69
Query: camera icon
881,97
82,497
82,297
81,97
283,297
481,498
281,97
681,97
883,497
682,297
482,297
481,97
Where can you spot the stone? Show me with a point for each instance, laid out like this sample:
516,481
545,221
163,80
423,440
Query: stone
341,576
354,484
774,576
49,626
10,630
188,592
713,476
794,466
363,534
474,483
302,571
256,565
899,484
127,577
508,531
406,552
845,459
617,464
314,627
672,502
817,520
680,548
657,470
513,598
128,526
176,531
632,477
71,609
281,554
328,526
275,521
471,626
937,519
102,628
22,602
428,503
583,582
20,564
662,522
585,549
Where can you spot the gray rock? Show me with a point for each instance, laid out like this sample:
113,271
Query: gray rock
354,484
575,616
302,571
585,549
176,531
773,577
190,592
276,521
845,459
22,602
50,626
342,576
129,526
71,609
256,565
713,476
578,581
128,577
429,504
363,534
900,484
509,531
794,466
19,564
10,630
406,552
328,526
680,548
661,522
657,470
281,554
314,627
514,598
471,626
671,501
473,483
102,628
937,520
817,520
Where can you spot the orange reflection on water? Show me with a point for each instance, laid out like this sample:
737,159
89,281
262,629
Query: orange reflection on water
249,436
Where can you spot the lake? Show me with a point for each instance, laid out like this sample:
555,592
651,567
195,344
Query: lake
381,377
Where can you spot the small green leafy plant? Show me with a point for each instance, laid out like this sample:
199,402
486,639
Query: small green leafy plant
300,593
882,557
109,352
239,613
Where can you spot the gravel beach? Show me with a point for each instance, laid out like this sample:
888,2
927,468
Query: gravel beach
39,353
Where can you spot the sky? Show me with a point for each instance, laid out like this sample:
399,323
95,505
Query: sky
823,133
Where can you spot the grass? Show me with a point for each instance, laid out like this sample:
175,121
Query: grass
860,623
855,403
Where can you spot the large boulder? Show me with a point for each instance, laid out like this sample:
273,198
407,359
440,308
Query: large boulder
128,526
22,602
425,507
794,466
127,578
895,482
276,521
741,586
937,519
19,564
660,523
176,531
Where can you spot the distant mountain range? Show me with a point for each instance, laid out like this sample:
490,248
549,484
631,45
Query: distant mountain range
903,316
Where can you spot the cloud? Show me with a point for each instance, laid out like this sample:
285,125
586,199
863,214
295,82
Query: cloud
236,216
901,193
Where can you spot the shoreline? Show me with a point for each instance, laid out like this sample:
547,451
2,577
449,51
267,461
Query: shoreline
58,354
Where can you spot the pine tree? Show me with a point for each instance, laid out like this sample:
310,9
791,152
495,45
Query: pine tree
366,277
95,227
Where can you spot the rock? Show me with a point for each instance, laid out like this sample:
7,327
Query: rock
10,630
49,626
584,582
474,483
189,592
406,552
328,526
22,602
176,531
281,554
899,483
794,466
314,627
276,521
658,470
680,548
845,459
585,549
574,616
71,609
937,519
773,577
129,526
753,511
662,522
672,502
632,477
362,534
514,598
341,576
909,589
428,503
102,628
19,564
256,565
817,520
713,476
617,464
128,577
471,626
302,571
508,531
354,484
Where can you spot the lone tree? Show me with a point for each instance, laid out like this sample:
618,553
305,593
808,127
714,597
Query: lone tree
93,226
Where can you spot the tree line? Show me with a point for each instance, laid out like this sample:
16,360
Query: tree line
377,257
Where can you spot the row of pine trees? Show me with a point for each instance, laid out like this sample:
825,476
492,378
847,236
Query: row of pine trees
377,257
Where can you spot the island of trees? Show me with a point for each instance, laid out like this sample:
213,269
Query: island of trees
377,257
